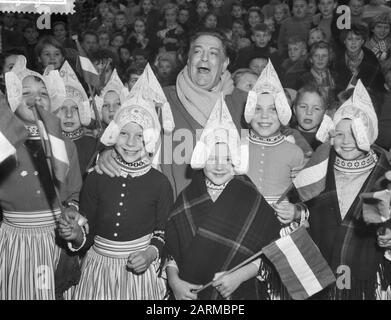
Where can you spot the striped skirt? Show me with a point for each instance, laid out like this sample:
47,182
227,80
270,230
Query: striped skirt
28,255
104,275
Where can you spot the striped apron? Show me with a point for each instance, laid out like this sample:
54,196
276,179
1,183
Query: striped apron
28,255
104,275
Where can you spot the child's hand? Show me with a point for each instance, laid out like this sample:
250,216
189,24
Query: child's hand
286,212
69,231
384,240
139,261
227,284
184,290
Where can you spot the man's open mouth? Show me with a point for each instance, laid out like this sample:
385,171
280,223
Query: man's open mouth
203,70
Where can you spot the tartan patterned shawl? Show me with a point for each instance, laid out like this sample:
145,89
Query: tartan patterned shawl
205,237
350,241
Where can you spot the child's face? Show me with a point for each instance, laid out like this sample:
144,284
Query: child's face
265,122
344,142
353,42
295,51
254,18
309,111
117,42
139,27
170,16
31,35
69,115
257,65
299,9
132,81
211,22
261,38
140,61
50,55
183,16
108,20
90,43
311,8
164,68
147,6
33,92
124,54
103,9
237,12
111,103
104,40
59,32
246,82
130,144
218,168
120,21
315,36
9,63
356,7
381,30
326,7
217,3
202,9
279,13
320,59
237,30
270,24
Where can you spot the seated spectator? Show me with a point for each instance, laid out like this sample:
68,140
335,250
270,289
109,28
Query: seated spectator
254,17
104,40
315,35
379,42
358,63
60,33
138,37
312,8
356,10
324,19
131,11
125,60
151,17
209,21
30,35
297,25
293,67
117,41
257,64
89,42
105,61
120,24
268,9
101,11
49,52
140,57
373,9
131,77
202,8
244,79
166,68
261,37
319,60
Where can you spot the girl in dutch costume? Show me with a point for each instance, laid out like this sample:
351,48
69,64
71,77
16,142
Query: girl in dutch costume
336,223
126,214
219,220
75,115
29,248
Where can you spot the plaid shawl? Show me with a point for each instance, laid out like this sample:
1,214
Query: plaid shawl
205,237
349,242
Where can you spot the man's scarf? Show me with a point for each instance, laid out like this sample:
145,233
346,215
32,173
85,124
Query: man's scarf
349,242
205,237
197,101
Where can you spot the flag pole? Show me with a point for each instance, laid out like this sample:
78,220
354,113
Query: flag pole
254,256
48,155
95,108
285,193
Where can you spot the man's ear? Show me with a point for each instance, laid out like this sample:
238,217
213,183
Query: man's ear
225,64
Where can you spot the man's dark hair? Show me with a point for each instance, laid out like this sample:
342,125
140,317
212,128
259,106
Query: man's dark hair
104,54
214,33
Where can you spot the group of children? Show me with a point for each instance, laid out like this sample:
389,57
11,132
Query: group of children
138,242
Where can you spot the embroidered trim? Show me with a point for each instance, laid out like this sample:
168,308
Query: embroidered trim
356,166
33,132
134,169
269,141
74,135
210,185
